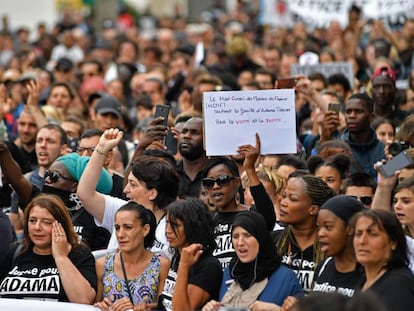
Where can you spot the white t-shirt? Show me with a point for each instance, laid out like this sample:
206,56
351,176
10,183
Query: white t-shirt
410,246
112,204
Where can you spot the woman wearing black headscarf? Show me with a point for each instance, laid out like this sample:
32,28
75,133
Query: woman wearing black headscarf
255,277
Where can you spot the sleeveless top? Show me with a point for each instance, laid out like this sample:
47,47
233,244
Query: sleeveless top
144,288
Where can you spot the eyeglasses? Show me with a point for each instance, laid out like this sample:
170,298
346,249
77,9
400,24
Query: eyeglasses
222,181
83,149
365,199
55,175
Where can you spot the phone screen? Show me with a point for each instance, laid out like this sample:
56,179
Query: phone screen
286,83
400,161
334,107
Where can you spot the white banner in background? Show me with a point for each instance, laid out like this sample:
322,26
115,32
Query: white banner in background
383,8
322,12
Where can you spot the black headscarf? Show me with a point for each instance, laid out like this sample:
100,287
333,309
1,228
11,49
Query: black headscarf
267,260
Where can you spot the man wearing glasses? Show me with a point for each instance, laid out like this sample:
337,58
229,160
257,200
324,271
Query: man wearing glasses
361,186
113,161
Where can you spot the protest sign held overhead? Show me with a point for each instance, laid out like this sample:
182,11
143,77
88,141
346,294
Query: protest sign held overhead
231,119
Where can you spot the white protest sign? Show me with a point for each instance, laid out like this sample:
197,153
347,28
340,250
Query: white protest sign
383,8
326,68
322,12
232,118
275,13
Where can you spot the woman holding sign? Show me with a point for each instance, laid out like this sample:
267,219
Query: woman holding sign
222,180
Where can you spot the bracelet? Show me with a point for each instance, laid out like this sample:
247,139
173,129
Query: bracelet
101,152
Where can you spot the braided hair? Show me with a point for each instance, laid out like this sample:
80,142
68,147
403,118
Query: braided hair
319,192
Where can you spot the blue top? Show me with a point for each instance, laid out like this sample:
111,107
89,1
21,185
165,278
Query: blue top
282,283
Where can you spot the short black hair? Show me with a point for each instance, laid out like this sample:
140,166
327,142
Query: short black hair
340,78
227,162
360,180
291,160
92,132
369,103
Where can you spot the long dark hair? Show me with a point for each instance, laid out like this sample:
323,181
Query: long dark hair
390,225
198,223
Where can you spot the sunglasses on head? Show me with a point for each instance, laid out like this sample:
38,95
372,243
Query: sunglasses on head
55,175
222,181
366,200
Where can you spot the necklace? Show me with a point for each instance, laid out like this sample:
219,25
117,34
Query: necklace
369,284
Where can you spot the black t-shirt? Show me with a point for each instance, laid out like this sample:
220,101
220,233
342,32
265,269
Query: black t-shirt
186,186
33,276
395,289
302,262
328,279
222,232
117,186
206,274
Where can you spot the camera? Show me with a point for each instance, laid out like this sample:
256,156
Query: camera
398,146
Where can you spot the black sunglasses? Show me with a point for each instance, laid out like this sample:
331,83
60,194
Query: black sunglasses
55,175
366,200
222,181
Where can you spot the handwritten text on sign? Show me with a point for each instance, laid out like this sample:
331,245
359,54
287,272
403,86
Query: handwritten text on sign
232,118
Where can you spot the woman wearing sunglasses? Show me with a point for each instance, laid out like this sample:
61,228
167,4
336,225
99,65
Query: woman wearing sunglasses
61,179
298,243
221,179
51,263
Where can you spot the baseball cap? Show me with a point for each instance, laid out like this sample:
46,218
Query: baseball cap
384,71
108,104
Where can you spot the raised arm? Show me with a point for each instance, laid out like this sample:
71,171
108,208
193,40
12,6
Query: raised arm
263,203
33,103
14,175
93,201
187,297
383,193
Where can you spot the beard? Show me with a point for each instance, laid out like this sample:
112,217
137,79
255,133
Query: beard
193,153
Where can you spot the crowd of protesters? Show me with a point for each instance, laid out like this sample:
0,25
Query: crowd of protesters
88,166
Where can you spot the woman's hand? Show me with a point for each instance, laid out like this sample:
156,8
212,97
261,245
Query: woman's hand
263,306
105,304
109,139
122,304
212,305
60,244
288,303
190,255
250,154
